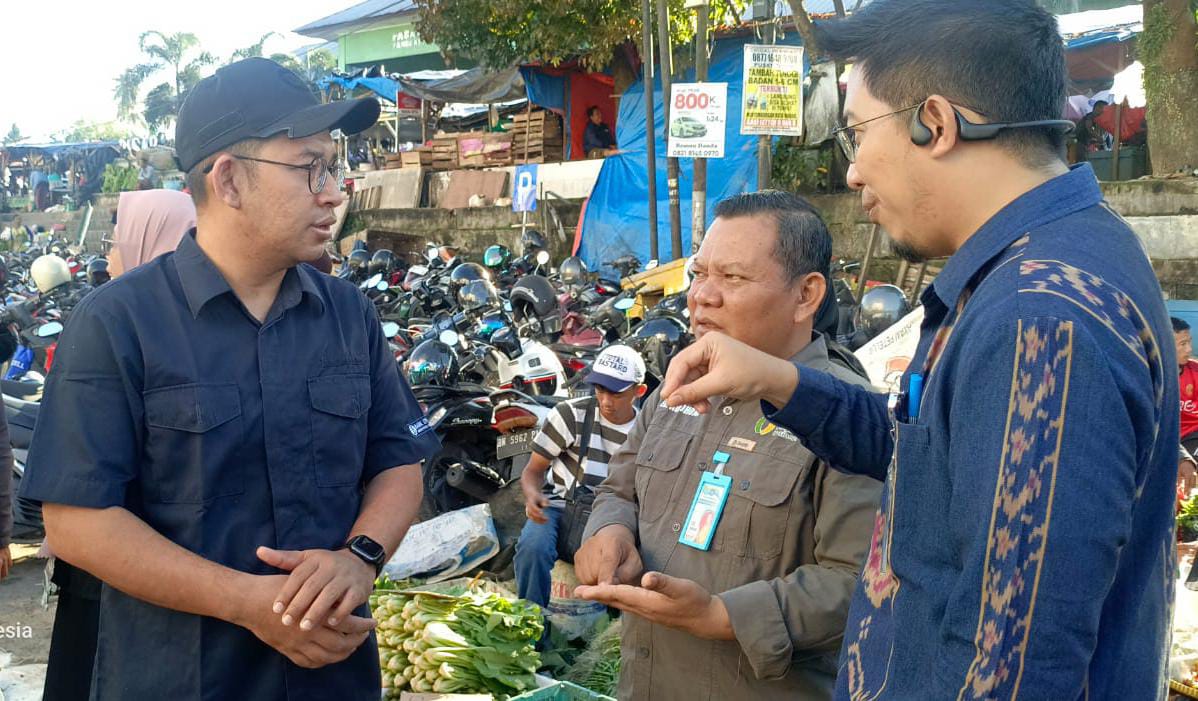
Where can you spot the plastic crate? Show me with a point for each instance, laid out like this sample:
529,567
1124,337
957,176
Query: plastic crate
561,691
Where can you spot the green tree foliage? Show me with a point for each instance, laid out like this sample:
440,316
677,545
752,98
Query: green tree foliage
14,135
83,130
498,33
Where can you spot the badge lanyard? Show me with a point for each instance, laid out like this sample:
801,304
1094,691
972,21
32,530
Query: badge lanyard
708,505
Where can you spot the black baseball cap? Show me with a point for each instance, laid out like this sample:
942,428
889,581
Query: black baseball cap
256,98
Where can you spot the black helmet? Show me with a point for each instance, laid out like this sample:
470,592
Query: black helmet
478,294
381,263
432,363
3,276
880,307
497,257
573,271
97,272
658,341
358,259
532,241
536,293
467,272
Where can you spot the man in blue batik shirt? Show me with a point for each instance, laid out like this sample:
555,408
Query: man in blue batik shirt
1024,546
225,440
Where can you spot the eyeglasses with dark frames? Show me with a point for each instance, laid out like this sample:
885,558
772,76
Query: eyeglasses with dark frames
318,171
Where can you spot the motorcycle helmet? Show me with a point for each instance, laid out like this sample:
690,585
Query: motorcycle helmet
49,272
658,341
358,259
3,273
533,298
573,271
381,263
97,272
497,257
467,272
532,241
478,294
432,363
880,307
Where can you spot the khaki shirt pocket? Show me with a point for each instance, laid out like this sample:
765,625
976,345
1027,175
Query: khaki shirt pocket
760,506
657,462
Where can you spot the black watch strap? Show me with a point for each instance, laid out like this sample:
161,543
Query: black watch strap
369,551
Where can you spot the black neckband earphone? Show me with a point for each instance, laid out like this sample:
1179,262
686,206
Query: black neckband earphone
970,131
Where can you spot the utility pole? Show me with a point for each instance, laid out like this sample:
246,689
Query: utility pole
665,57
699,194
765,143
650,125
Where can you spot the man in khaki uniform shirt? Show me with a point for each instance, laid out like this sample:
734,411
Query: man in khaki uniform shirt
761,613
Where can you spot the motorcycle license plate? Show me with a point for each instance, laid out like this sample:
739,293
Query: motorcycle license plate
513,444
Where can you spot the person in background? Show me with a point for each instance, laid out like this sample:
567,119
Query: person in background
1133,122
6,514
149,223
145,176
618,376
597,140
1187,389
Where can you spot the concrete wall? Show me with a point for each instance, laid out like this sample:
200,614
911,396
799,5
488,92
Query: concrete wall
470,229
1164,213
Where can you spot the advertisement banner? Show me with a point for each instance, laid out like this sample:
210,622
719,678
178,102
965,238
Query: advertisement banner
698,115
773,91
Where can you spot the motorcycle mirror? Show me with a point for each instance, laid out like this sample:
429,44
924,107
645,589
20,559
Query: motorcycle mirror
382,286
430,252
625,304
542,257
390,329
47,330
651,265
449,337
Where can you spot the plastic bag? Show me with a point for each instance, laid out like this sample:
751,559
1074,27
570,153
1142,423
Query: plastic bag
446,547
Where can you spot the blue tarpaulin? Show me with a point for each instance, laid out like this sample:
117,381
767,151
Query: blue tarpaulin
616,222
545,90
383,87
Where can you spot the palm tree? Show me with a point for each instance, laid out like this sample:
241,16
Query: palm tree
177,53
254,50
172,50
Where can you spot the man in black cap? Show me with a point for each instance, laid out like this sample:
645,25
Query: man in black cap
226,441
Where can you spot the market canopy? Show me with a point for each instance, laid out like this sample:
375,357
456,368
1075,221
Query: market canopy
54,150
475,86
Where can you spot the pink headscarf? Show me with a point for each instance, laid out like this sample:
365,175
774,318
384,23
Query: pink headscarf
150,223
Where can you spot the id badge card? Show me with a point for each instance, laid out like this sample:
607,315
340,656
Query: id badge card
706,509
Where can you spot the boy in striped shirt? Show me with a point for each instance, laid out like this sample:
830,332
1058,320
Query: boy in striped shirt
618,376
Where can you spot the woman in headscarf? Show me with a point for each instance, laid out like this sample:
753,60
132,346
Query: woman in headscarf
148,224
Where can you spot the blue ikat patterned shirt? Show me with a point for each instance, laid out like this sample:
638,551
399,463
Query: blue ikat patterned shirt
1024,547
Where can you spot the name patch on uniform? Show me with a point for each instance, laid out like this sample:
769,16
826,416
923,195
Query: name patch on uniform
682,409
419,427
742,444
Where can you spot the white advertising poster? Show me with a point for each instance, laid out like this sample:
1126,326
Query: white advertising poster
773,90
698,115
886,356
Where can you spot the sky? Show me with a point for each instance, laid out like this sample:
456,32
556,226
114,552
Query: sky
62,56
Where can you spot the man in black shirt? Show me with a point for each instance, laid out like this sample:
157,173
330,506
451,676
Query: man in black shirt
598,140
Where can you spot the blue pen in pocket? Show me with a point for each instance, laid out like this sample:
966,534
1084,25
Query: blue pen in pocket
914,395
